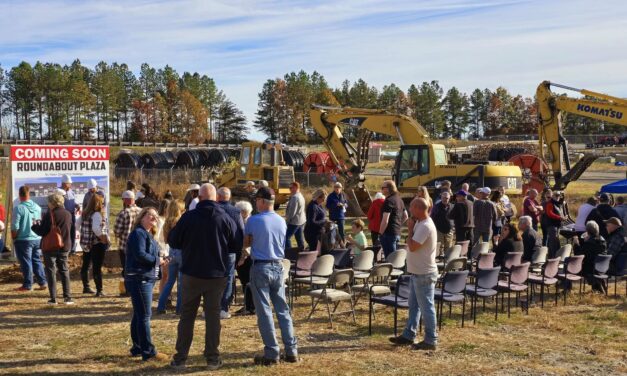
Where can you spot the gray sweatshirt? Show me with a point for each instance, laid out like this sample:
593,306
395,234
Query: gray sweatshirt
295,212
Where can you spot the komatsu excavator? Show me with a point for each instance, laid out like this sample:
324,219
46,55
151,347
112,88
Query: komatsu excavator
418,163
551,108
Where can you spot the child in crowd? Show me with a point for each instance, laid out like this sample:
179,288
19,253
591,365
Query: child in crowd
358,240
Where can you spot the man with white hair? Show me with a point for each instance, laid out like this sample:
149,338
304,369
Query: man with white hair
485,215
224,197
531,240
205,236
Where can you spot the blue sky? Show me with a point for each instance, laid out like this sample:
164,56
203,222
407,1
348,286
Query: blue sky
241,44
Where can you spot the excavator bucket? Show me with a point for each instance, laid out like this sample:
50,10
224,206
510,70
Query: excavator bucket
359,201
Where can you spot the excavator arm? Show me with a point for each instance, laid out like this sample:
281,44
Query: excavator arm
550,109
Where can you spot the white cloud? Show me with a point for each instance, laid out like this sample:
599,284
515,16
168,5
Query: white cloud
241,44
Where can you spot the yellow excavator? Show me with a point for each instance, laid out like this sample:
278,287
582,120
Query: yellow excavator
550,109
418,162
259,161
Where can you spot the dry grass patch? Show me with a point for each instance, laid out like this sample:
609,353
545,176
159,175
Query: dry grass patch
587,336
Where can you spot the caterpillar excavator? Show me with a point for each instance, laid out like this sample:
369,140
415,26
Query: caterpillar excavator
551,107
418,163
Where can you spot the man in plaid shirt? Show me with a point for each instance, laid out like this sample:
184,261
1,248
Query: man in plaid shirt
124,223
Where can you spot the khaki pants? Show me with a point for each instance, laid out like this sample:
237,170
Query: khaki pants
445,240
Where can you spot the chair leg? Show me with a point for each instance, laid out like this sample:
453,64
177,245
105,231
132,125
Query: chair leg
557,291
496,307
313,308
353,311
509,304
463,310
542,295
440,304
395,321
370,319
329,312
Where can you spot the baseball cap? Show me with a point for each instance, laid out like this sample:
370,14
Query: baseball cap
92,183
337,185
461,192
614,221
265,193
604,197
193,187
128,194
486,190
66,179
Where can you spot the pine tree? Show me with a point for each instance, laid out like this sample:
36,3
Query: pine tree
455,107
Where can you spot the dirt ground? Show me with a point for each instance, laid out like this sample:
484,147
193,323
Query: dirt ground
585,337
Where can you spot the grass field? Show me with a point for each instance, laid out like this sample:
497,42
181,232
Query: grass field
585,337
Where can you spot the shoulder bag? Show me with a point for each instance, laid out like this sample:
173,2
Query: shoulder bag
52,241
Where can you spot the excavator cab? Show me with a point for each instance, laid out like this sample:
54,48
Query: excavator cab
411,160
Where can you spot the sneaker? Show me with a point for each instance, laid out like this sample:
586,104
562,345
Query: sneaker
291,359
224,315
214,364
400,340
158,357
88,290
52,302
68,301
261,360
100,294
42,287
23,289
177,365
423,346
243,312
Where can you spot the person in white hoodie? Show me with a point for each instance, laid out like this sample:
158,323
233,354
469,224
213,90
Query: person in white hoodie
295,217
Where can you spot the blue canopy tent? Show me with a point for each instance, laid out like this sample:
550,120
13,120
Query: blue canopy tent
616,187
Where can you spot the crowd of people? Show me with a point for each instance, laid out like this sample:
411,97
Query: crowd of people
199,242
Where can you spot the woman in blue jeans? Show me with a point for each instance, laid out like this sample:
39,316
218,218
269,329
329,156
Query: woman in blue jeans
173,213
142,267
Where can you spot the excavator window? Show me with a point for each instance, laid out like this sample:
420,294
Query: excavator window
412,160
245,159
266,157
257,156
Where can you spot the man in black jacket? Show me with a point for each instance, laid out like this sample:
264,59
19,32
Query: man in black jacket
443,225
601,213
462,217
531,240
206,236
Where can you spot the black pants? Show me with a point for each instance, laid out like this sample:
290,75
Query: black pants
375,238
210,291
53,261
95,256
122,255
463,233
243,273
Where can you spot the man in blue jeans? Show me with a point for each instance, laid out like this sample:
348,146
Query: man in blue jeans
421,266
27,242
265,234
393,215
224,197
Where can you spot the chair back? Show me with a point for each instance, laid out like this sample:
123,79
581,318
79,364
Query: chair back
341,278
486,260
479,248
602,263
620,265
520,273
464,251
323,267
573,264
551,267
403,287
292,253
381,271
564,252
364,261
341,257
539,256
511,259
453,252
306,260
519,246
454,282
397,258
456,264
287,265
488,278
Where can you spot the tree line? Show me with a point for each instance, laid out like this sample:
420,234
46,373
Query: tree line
284,102
111,103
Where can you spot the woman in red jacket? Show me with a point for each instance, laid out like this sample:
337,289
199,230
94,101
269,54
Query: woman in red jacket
374,217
